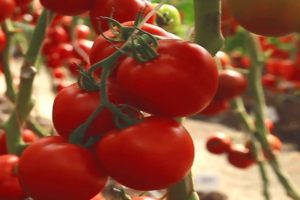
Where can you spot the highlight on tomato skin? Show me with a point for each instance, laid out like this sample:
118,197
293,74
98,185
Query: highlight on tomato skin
240,157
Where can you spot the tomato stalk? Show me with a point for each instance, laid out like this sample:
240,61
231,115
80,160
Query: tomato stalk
238,106
10,90
260,112
207,25
24,102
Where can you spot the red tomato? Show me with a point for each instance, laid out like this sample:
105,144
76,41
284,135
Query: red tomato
67,7
231,84
7,8
120,10
102,48
267,17
82,31
181,81
58,35
52,169
72,106
218,143
216,106
150,155
22,3
2,40
27,135
98,197
10,188
240,157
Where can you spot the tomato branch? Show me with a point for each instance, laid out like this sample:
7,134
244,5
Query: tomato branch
10,90
24,102
260,113
207,25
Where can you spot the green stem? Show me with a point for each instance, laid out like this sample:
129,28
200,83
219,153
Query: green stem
183,190
10,90
238,106
24,102
260,113
208,25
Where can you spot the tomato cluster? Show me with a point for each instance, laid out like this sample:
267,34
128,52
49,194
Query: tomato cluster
240,155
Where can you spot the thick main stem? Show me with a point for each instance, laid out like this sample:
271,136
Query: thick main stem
208,25
260,113
24,102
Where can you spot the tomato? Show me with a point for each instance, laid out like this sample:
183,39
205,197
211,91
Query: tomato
150,155
228,24
216,106
27,135
180,81
120,10
67,7
72,106
51,169
167,17
82,31
7,8
58,34
10,188
102,48
240,156
231,84
22,3
218,143
267,17
98,197
2,40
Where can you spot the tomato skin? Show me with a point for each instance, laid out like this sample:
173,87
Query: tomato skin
121,10
69,170
72,106
240,156
10,188
2,40
142,156
7,8
67,7
267,17
218,143
22,3
181,81
231,84
215,107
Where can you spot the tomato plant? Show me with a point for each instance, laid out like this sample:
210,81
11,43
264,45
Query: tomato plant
142,156
71,171
183,76
10,188
120,10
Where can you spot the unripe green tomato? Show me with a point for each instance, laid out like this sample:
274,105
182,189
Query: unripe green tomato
167,17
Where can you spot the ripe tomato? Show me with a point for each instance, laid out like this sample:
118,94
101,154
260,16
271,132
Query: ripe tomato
2,40
67,7
72,106
267,17
102,48
7,8
10,188
27,135
240,156
82,31
181,81
52,169
218,143
216,106
120,10
152,154
22,3
231,84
